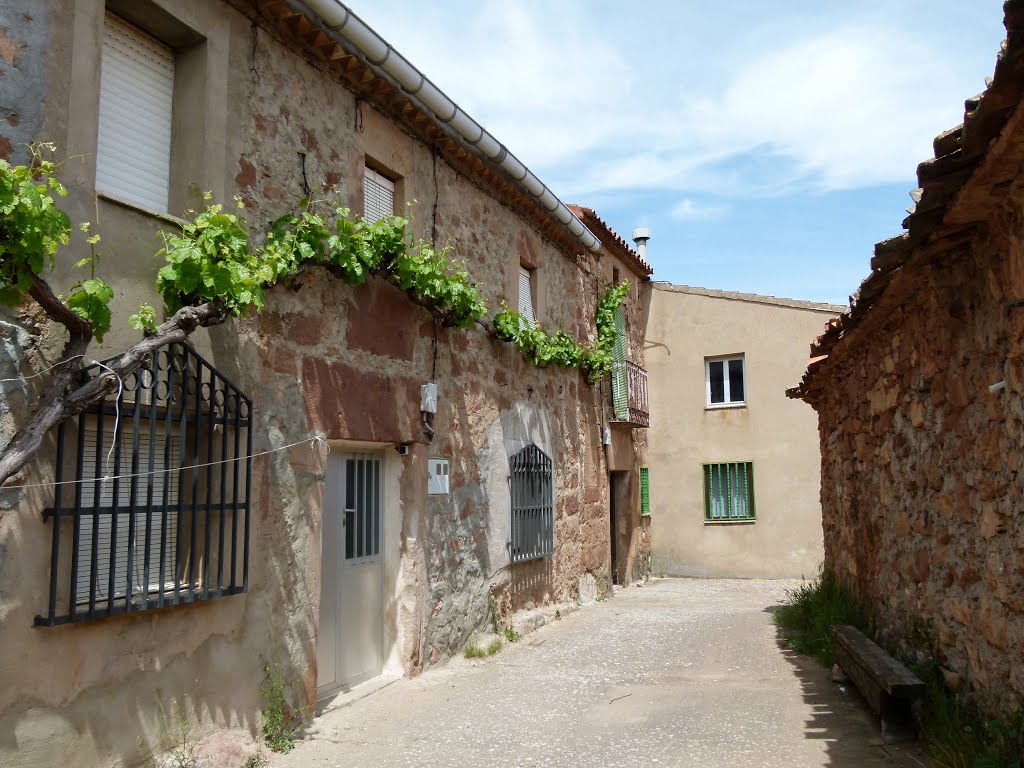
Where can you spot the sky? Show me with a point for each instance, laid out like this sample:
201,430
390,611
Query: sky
767,146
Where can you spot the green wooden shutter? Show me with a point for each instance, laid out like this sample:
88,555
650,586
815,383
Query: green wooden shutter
645,492
620,376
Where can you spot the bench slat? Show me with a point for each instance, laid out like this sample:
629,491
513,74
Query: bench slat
893,677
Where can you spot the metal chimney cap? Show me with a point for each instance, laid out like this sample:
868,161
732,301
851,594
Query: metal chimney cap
641,234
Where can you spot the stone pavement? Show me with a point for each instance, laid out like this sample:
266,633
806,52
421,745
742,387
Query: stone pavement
680,672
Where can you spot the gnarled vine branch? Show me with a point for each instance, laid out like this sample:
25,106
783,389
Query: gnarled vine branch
59,403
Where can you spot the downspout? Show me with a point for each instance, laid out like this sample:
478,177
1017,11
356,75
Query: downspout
338,21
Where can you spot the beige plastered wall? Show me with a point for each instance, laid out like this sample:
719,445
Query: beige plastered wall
777,434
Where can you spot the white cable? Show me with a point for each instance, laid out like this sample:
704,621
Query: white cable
45,370
316,439
117,419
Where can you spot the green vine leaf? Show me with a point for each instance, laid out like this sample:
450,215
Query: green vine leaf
541,348
145,320
89,300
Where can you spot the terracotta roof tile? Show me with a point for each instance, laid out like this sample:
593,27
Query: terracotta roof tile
627,253
959,153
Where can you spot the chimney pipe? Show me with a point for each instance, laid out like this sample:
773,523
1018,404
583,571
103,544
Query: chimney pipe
640,236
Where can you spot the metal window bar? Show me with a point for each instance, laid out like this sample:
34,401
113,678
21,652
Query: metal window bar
531,483
729,491
167,534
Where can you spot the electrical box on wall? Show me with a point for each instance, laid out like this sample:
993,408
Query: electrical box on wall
428,398
437,476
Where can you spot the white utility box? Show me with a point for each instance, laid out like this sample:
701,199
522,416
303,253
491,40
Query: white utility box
428,398
437,476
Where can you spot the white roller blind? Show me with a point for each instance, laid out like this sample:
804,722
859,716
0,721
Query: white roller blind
133,154
526,295
104,522
378,196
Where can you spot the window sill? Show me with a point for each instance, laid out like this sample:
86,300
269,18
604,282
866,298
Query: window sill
724,406
737,521
140,208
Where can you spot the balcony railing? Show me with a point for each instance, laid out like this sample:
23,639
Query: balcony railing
629,394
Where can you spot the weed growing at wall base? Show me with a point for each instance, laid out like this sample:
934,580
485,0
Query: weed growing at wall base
279,719
806,620
957,736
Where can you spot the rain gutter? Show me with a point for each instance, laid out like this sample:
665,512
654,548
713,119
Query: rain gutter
346,28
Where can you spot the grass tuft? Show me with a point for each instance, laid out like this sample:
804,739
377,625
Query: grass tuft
957,736
474,651
494,647
813,607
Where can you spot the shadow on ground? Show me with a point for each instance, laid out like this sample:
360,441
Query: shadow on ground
841,717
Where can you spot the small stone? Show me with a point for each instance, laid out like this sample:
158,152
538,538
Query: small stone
951,679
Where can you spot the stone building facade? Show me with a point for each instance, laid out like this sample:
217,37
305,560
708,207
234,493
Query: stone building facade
767,525
918,392
270,103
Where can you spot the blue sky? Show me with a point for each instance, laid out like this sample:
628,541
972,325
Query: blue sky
767,146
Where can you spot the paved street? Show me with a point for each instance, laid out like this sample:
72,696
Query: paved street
676,673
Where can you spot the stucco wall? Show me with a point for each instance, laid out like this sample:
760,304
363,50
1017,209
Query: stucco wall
778,435
327,358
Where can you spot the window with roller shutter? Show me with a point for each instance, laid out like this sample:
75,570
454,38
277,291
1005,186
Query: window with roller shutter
378,196
527,308
151,499
133,152
149,540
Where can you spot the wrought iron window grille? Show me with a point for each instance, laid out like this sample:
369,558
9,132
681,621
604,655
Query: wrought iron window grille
533,509
160,513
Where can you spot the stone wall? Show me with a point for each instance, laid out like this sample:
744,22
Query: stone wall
324,358
921,469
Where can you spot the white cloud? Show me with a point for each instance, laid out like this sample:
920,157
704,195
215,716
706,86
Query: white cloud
830,100
689,210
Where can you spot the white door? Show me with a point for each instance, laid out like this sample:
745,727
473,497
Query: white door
350,644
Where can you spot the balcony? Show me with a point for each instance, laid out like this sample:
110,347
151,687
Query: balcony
629,394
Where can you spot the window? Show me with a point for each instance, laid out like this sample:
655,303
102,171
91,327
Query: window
156,512
133,153
149,537
533,507
728,492
378,196
620,372
527,308
645,491
362,507
725,381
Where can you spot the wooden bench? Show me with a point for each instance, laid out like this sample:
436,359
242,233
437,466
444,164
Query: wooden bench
889,687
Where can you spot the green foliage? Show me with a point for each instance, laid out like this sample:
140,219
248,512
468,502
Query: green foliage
257,760
807,618
601,358
211,260
494,647
511,635
279,719
428,275
541,348
474,651
145,320
89,300
32,227
492,612
957,736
